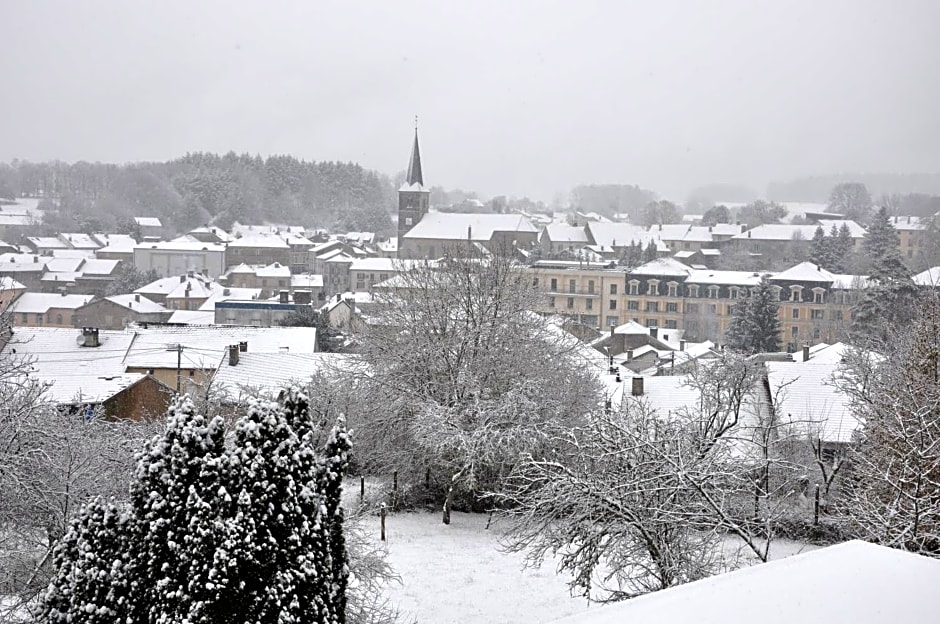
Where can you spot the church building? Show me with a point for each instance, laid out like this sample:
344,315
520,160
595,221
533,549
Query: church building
426,234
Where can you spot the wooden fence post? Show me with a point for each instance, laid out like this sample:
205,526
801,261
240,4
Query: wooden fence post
382,516
362,489
816,507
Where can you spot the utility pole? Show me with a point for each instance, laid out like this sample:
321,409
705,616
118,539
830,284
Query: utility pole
178,347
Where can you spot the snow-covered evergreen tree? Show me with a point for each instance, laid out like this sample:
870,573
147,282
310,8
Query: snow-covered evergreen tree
172,498
93,562
754,325
891,293
820,249
251,533
291,565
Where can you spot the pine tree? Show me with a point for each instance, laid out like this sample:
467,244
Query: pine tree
178,476
649,254
820,249
93,576
882,246
755,325
891,293
842,248
252,533
287,515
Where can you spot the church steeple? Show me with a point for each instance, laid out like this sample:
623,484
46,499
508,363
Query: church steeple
413,197
414,165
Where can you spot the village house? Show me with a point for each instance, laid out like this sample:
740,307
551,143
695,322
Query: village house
258,249
10,289
150,228
269,278
118,311
27,269
33,309
115,247
178,257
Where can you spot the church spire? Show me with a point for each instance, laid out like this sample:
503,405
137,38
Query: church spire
414,165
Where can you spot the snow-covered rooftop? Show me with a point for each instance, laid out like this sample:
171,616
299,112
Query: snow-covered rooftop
807,395
930,277
664,267
805,272
849,582
270,372
561,233
137,303
479,226
182,245
40,303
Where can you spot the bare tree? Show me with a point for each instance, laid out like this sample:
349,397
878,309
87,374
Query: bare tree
459,373
893,482
53,460
646,495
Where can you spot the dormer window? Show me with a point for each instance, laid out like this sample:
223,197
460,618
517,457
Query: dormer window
796,293
673,288
713,292
634,287
776,291
652,287
819,295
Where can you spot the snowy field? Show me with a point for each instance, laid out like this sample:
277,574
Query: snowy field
457,573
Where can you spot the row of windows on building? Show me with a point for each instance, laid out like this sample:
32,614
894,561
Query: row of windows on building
41,318
816,314
818,294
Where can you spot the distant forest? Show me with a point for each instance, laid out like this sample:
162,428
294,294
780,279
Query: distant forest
200,189
817,188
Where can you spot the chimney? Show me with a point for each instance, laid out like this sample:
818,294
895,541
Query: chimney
637,386
302,297
137,298
682,345
748,233
284,296
90,336
243,347
612,330
709,228
182,279
233,355
36,259
205,272
469,232
806,353
630,355
654,332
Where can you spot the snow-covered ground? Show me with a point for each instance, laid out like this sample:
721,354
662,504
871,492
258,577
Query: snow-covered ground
458,573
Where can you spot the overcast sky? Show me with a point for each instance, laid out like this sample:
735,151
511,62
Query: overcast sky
518,98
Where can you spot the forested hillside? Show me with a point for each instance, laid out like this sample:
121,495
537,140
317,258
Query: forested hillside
205,188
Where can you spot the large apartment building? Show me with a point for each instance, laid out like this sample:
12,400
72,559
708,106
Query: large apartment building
815,305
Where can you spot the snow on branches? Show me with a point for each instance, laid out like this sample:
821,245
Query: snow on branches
251,531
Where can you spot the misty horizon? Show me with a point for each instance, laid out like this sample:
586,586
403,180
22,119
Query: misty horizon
525,100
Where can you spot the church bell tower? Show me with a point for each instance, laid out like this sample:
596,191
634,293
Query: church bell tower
413,197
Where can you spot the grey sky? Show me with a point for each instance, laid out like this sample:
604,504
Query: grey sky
521,98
